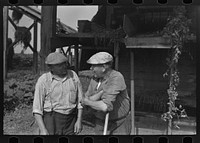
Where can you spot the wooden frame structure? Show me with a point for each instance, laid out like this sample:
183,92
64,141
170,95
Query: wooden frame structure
74,39
38,17
33,48
141,43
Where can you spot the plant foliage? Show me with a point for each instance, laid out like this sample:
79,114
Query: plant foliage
178,30
16,16
23,35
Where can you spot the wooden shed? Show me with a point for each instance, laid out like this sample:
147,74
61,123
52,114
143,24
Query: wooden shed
140,55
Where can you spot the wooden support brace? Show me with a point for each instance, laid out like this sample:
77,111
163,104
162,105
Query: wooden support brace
116,54
76,58
34,50
13,24
15,42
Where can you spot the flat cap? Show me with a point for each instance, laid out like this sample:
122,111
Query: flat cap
100,58
55,58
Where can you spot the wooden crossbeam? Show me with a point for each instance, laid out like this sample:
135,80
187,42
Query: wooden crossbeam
15,42
25,13
11,21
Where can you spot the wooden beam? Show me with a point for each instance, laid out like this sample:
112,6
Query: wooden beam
11,21
5,37
48,29
58,42
35,53
147,42
83,35
25,13
32,11
79,58
116,54
31,47
76,54
109,12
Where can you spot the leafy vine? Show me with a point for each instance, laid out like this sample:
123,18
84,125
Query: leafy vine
177,29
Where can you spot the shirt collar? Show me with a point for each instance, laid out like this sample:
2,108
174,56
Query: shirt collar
52,77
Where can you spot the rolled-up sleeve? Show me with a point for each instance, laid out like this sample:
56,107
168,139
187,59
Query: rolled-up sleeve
80,94
79,90
39,95
112,88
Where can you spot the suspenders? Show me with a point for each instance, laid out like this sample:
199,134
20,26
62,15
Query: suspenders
49,89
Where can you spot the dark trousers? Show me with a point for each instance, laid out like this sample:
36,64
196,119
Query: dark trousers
59,124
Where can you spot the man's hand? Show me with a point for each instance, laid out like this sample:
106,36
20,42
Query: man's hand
78,126
84,101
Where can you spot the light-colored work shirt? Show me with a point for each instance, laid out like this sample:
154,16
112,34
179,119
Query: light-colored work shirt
61,95
115,95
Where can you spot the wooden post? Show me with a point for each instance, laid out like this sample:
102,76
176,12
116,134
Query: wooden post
5,37
48,30
76,58
35,53
109,12
116,54
198,31
132,92
79,57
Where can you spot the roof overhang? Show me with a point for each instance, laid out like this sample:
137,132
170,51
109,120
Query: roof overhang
148,42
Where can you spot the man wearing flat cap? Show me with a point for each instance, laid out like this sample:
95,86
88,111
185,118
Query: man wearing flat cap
107,93
56,105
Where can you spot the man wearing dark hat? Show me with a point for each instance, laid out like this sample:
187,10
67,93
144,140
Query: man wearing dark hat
56,105
107,93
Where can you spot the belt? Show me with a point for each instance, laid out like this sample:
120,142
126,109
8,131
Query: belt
120,118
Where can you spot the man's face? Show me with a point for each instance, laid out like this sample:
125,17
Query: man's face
59,69
98,70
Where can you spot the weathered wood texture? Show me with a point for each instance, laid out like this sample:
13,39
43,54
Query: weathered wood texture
48,26
35,53
5,36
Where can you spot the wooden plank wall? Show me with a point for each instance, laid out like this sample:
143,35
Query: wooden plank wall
150,65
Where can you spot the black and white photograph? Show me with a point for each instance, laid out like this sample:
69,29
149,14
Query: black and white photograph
100,69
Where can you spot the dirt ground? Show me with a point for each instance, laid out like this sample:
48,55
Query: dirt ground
21,122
